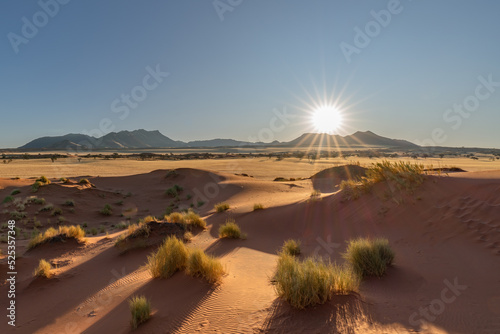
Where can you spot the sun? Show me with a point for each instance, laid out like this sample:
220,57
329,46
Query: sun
326,119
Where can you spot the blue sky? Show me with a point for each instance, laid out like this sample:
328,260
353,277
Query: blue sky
230,67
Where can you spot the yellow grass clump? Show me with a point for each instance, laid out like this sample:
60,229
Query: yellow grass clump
369,257
291,247
312,281
202,265
170,257
140,308
71,231
221,207
43,269
230,230
258,206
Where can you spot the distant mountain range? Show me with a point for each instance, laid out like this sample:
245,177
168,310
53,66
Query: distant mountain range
142,139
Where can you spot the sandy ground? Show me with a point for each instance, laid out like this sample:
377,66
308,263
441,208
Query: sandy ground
261,168
446,235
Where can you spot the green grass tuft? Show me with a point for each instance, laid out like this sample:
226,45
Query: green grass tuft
106,211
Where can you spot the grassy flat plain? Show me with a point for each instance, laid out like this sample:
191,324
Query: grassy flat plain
261,168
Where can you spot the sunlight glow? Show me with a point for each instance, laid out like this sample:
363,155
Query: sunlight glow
326,119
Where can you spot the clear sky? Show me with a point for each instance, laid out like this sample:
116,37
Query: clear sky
396,68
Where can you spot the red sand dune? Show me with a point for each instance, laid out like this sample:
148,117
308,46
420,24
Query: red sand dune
445,279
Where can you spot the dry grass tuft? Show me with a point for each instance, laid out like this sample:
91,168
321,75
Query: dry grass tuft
291,247
140,308
71,231
43,269
171,256
230,230
221,207
369,257
202,265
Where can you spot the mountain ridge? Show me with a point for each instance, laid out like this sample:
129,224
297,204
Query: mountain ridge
143,139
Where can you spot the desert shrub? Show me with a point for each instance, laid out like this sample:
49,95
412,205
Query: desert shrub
122,226
188,197
69,202
291,247
171,173
258,206
56,212
8,199
106,211
200,203
140,308
221,207
173,191
35,200
137,230
315,193
230,230
64,180
119,203
175,217
312,281
369,257
15,192
42,179
18,215
188,236
71,231
202,265
48,207
84,181
194,219
93,231
170,257
43,269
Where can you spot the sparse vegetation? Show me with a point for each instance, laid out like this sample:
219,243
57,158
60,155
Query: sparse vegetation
8,199
174,191
312,281
69,202
194,219
404,175
369,257
93,231
200,203
106,211
64,180
48,207
51,233
43,269
171,256
36,200
202,265
291,247
230,230
258,206
140,308
221,207
57,212
15,192
84,181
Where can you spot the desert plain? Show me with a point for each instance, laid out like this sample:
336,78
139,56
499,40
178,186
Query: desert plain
445,235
